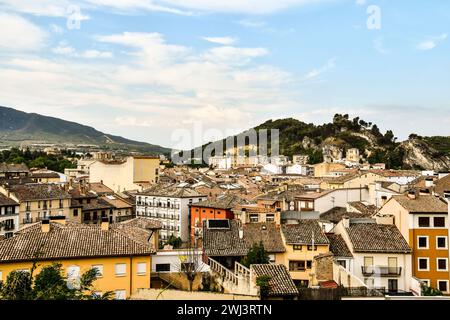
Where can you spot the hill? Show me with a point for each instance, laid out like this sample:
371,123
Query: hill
343,133
17,127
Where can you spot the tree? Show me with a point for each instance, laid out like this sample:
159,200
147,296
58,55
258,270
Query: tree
263,283
49,284
175,242
256,255
190,264
429,291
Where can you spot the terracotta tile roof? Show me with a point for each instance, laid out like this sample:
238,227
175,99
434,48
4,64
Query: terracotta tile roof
170,191
227,202
365,209
227,242
99,188
140,229
335,214
6,167
396,173
44,175
72,240
280,283
5,201
442,185
338,246
422,204
373,237
303,233
39,191
116,202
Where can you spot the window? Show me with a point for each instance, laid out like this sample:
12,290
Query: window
75,212
442,285
297,266
423,264
99,268
439,222
253,218
424,222
312,248
392,285
442,264
120,294
73,277
142,268
163,267
422,242
342,263
121,269
297,247
441,242
272,258
308,264
270,217
368,261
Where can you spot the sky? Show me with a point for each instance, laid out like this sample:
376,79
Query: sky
180,73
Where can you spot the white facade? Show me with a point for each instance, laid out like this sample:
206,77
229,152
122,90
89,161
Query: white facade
170,260
172,212
378,263
9,220
271,168
338,198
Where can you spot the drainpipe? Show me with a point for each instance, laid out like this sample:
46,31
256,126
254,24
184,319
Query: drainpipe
131,275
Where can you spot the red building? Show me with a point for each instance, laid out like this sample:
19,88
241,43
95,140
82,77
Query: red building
210,209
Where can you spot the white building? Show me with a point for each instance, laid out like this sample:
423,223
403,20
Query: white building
9,216
170,206
170,260
381,255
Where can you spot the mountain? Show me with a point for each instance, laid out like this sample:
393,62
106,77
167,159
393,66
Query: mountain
343,133
17,127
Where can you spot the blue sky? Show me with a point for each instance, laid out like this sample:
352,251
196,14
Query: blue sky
146,69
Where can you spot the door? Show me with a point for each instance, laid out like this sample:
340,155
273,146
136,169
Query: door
392,265
392,285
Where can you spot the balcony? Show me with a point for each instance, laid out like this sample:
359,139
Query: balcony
381,271
27,220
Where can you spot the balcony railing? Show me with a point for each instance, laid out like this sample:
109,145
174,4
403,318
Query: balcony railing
381,271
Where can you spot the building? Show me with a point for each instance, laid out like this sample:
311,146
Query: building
9,216
302,241
39,201
423,221
300,159
200,212
13,171
46,176
352,155
228,241
132,173
122,253
381,255
322,169
170,206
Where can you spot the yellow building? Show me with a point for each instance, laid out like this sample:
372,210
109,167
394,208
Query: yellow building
130,174
322,169
121,252
303,242
39,201
423,221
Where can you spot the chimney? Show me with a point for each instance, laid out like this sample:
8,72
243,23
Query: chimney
346,221
58,219
429,182
412,194
105,224
45,225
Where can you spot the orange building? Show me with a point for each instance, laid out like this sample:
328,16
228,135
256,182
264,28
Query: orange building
423,221
221,208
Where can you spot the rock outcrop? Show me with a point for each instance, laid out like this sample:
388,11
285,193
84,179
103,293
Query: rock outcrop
418,154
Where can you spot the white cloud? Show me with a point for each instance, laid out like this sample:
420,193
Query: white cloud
361,2
220,40
17,33
56,29
168,85
319,71
64,49
251,23
431,42
58,8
